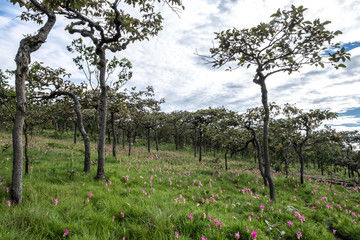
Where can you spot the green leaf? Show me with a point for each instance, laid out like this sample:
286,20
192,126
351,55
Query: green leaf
342,65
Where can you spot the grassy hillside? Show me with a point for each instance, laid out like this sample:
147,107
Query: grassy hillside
165,195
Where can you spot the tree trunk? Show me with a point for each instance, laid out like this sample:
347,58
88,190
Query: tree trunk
301,166
123,139
148,139
176,139
26,149
156,140
103,111
268,174
200,143
195,142
80,124
75,132
129,139
109,136
114,133
27,46
226,165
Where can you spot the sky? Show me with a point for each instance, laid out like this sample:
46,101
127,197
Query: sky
168,61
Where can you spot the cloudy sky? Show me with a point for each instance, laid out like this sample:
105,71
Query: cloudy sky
168,62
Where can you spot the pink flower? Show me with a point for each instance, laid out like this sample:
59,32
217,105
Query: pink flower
204,215
9,203
31,168
249,218
299,235
113,219
66,232
334,231
279,210
290,224
122,214
87,199
202,238
191,216
254,234
90,193
7,189
237,235
313,207
176,235
56,201
262,208
209,217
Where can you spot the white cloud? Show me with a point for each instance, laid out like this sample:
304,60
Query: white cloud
169,64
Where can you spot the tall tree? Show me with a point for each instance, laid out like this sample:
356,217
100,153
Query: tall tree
285,44
110,28
31,43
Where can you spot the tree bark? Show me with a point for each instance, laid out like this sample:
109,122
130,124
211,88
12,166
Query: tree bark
75,132
195,142
268,175
226,165
114,133
103,111
200,143
123,139
156,140
27,46
148,138
26,149
129,139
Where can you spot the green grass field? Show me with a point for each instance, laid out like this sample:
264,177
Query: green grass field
165,195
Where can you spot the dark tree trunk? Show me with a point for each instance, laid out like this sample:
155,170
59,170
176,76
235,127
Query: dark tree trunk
75,132
301,167
129,139
148,138
268,175
109,136
200,143
26,149
156,140
103,111
195,142
226,165
123,139
27,46
114,133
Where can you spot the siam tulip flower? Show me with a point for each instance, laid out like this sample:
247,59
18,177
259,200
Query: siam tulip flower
254,234
176,235
31,168
299,235
202,238
66,232
90,193
7,189
56,201
9,203
280,210
250,218
113,219
122,214
237,235
290,224
262,208
87,199
191,216
204,215
334,231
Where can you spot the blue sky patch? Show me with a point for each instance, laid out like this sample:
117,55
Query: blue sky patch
348,46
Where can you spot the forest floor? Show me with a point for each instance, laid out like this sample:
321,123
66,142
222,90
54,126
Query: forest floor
165,195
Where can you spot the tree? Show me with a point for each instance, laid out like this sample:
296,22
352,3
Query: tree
299,127
285,44
28,45
111,28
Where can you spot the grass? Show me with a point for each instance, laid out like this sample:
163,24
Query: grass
152,195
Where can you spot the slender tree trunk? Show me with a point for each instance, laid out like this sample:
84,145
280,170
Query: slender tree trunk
195,142
123,139
103,111
268,174
226,165
148,138
109,136
129,139
75,132
200,143
26,149
176,139
80,124
156,140
27,46
114,133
